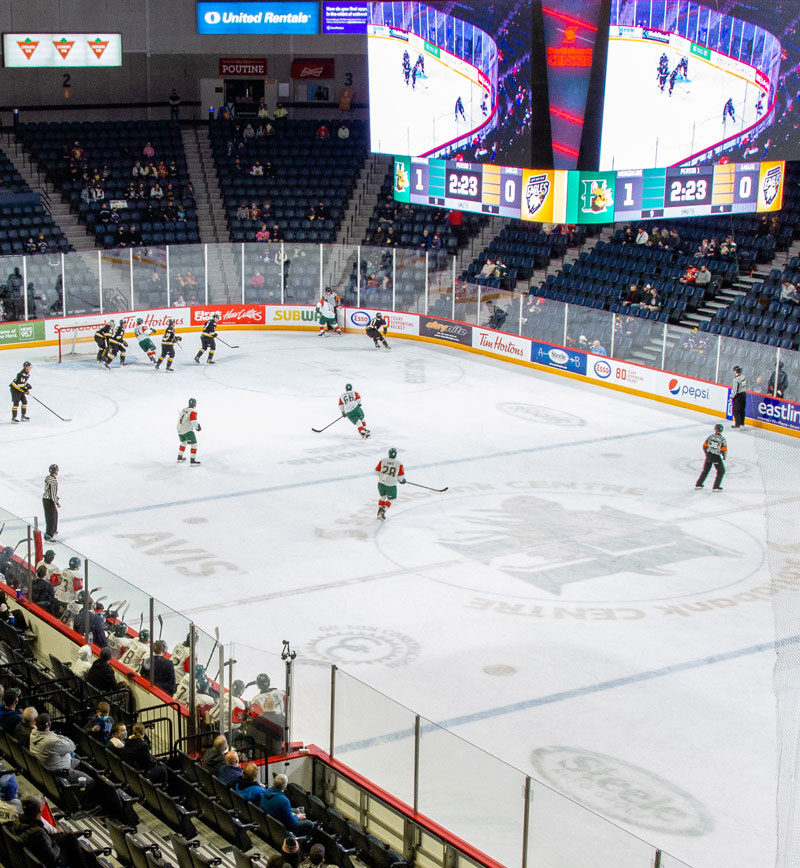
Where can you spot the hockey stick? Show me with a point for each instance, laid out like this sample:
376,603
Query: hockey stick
50,408
213,647
232,346
320,430
408,482
160,625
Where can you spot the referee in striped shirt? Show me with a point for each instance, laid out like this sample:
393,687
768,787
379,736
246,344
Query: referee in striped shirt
51,503
738,397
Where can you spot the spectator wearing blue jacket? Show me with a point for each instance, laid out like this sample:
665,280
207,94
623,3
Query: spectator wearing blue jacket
248,786
9,716
230,771
275,803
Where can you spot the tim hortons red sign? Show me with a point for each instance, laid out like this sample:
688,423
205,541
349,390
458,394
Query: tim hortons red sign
249,67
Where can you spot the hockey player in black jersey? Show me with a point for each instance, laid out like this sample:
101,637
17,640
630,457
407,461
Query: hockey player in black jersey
376,325
729,111
101,338
19,393
168,342
663,71
672,77
207,340
116,345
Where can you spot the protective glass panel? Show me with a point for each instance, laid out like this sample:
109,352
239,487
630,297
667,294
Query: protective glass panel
377,274
116,279
453,776
149,277
82,283
589,329
262,273
543,320
467,302
224,274
691,352
374,735
339,270
638,340
440,268
756,361
187,275
590,840
312,704
409,279
668,861
43,280
302,275
15,537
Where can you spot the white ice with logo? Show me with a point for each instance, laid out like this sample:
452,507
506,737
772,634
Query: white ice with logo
570,595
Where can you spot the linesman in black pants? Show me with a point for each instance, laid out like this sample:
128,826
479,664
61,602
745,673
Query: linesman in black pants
715,449
738,397
51,503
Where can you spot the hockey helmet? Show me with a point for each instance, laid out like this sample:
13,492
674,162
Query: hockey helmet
139,321
144,635
737,369
80,598
719,427
112,322
49,556
170,322
214,316
237,688
192,402
26,365
53,468
8,551
348,387
74,563
263,682
392,453
203,684
120,630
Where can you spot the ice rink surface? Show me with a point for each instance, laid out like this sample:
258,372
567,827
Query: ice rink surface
571,604
428,108
645,127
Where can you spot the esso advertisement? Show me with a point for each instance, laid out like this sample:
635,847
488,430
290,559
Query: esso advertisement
291,316
229,314
508,346
399,323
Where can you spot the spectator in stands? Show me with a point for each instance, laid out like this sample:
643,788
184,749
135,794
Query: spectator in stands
344,131
257,170
316,857
148,151
84,662
728,248
136,753
436,241
775,226
763,227
257,280
42,591
456,220
323,132
673,241
23,730
424,242
119,733
174,105
101,672
243,211
214,757
161,169
497,316
269,130
788,292
651,299
77,152
275,803
249,133
254,212
290,850
266,210
9,716
488,268
263,109
690,275
778,388
163,669
598,349
134,236
642,237
53,848
30,245
277,233
703,277
248,786
156,192
230,771
101,723
280,112
55,752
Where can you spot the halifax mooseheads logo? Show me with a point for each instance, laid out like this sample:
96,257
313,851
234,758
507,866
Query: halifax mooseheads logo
536,192
772,184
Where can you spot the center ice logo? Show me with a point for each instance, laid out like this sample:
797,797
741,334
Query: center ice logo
536,192
771,185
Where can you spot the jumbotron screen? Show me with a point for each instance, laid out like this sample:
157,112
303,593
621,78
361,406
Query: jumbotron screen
454,78
688,83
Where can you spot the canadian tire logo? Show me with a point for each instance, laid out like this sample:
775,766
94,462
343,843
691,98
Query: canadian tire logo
27,47
63,47
98,46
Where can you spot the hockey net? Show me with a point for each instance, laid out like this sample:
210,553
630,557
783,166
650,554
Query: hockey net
77,341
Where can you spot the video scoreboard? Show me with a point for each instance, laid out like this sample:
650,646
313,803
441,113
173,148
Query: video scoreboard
556,196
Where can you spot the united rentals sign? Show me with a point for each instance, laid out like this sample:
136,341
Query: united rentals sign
248,67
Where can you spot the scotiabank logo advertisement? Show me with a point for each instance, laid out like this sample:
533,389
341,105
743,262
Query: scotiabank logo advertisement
445,330
229,314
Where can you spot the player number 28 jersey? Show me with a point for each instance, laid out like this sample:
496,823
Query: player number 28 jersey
389,471
187,421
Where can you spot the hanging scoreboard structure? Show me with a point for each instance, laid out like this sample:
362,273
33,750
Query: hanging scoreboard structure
555,196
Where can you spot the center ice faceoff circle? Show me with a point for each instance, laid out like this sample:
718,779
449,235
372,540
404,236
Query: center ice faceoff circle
539,541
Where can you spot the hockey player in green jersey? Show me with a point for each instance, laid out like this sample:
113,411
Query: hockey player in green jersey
327,317
142,334
390,471
350,406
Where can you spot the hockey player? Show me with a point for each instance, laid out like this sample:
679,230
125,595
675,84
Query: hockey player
390,472
168,341
327,317
683,67
207,340
240,708
180,653
374,330
672,78
268,700
420,63
406,67
485,105
136,650
187,425
760,105
101,338
116,345
663,71
414,78
729,111
459,109
350,405
142,333
20,387
69,586
202,695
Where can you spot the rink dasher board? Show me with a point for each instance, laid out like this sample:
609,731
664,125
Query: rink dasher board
641,381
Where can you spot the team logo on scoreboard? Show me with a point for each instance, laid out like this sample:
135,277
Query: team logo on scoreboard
597,197
401,181
536,191
772,184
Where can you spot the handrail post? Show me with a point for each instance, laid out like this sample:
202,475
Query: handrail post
333,711
526,821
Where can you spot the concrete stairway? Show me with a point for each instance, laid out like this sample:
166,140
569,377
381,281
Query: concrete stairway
210,207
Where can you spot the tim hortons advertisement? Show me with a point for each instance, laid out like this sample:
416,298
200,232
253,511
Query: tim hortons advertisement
156,319
663,385
229,314
508,346
445,330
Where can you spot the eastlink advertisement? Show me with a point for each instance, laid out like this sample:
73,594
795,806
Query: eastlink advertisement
558,357
245,17
763,408
445,330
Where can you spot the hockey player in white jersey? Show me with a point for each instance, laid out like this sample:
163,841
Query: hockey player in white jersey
350,406
187,425
136,650
70,583
390,471
327,317
142,334
268,700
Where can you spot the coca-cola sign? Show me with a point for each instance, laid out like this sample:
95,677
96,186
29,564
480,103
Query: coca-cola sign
229,314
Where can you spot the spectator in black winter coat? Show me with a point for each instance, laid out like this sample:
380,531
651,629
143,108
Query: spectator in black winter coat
42,592
9,716
163,669
101,673
97,631
52,848
136,753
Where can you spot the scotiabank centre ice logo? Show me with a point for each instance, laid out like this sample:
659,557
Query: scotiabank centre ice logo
360,318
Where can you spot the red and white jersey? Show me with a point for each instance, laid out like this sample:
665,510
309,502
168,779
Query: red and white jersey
187,421
390,471
348,401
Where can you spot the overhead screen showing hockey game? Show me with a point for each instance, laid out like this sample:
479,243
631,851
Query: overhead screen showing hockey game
690,83
452,79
